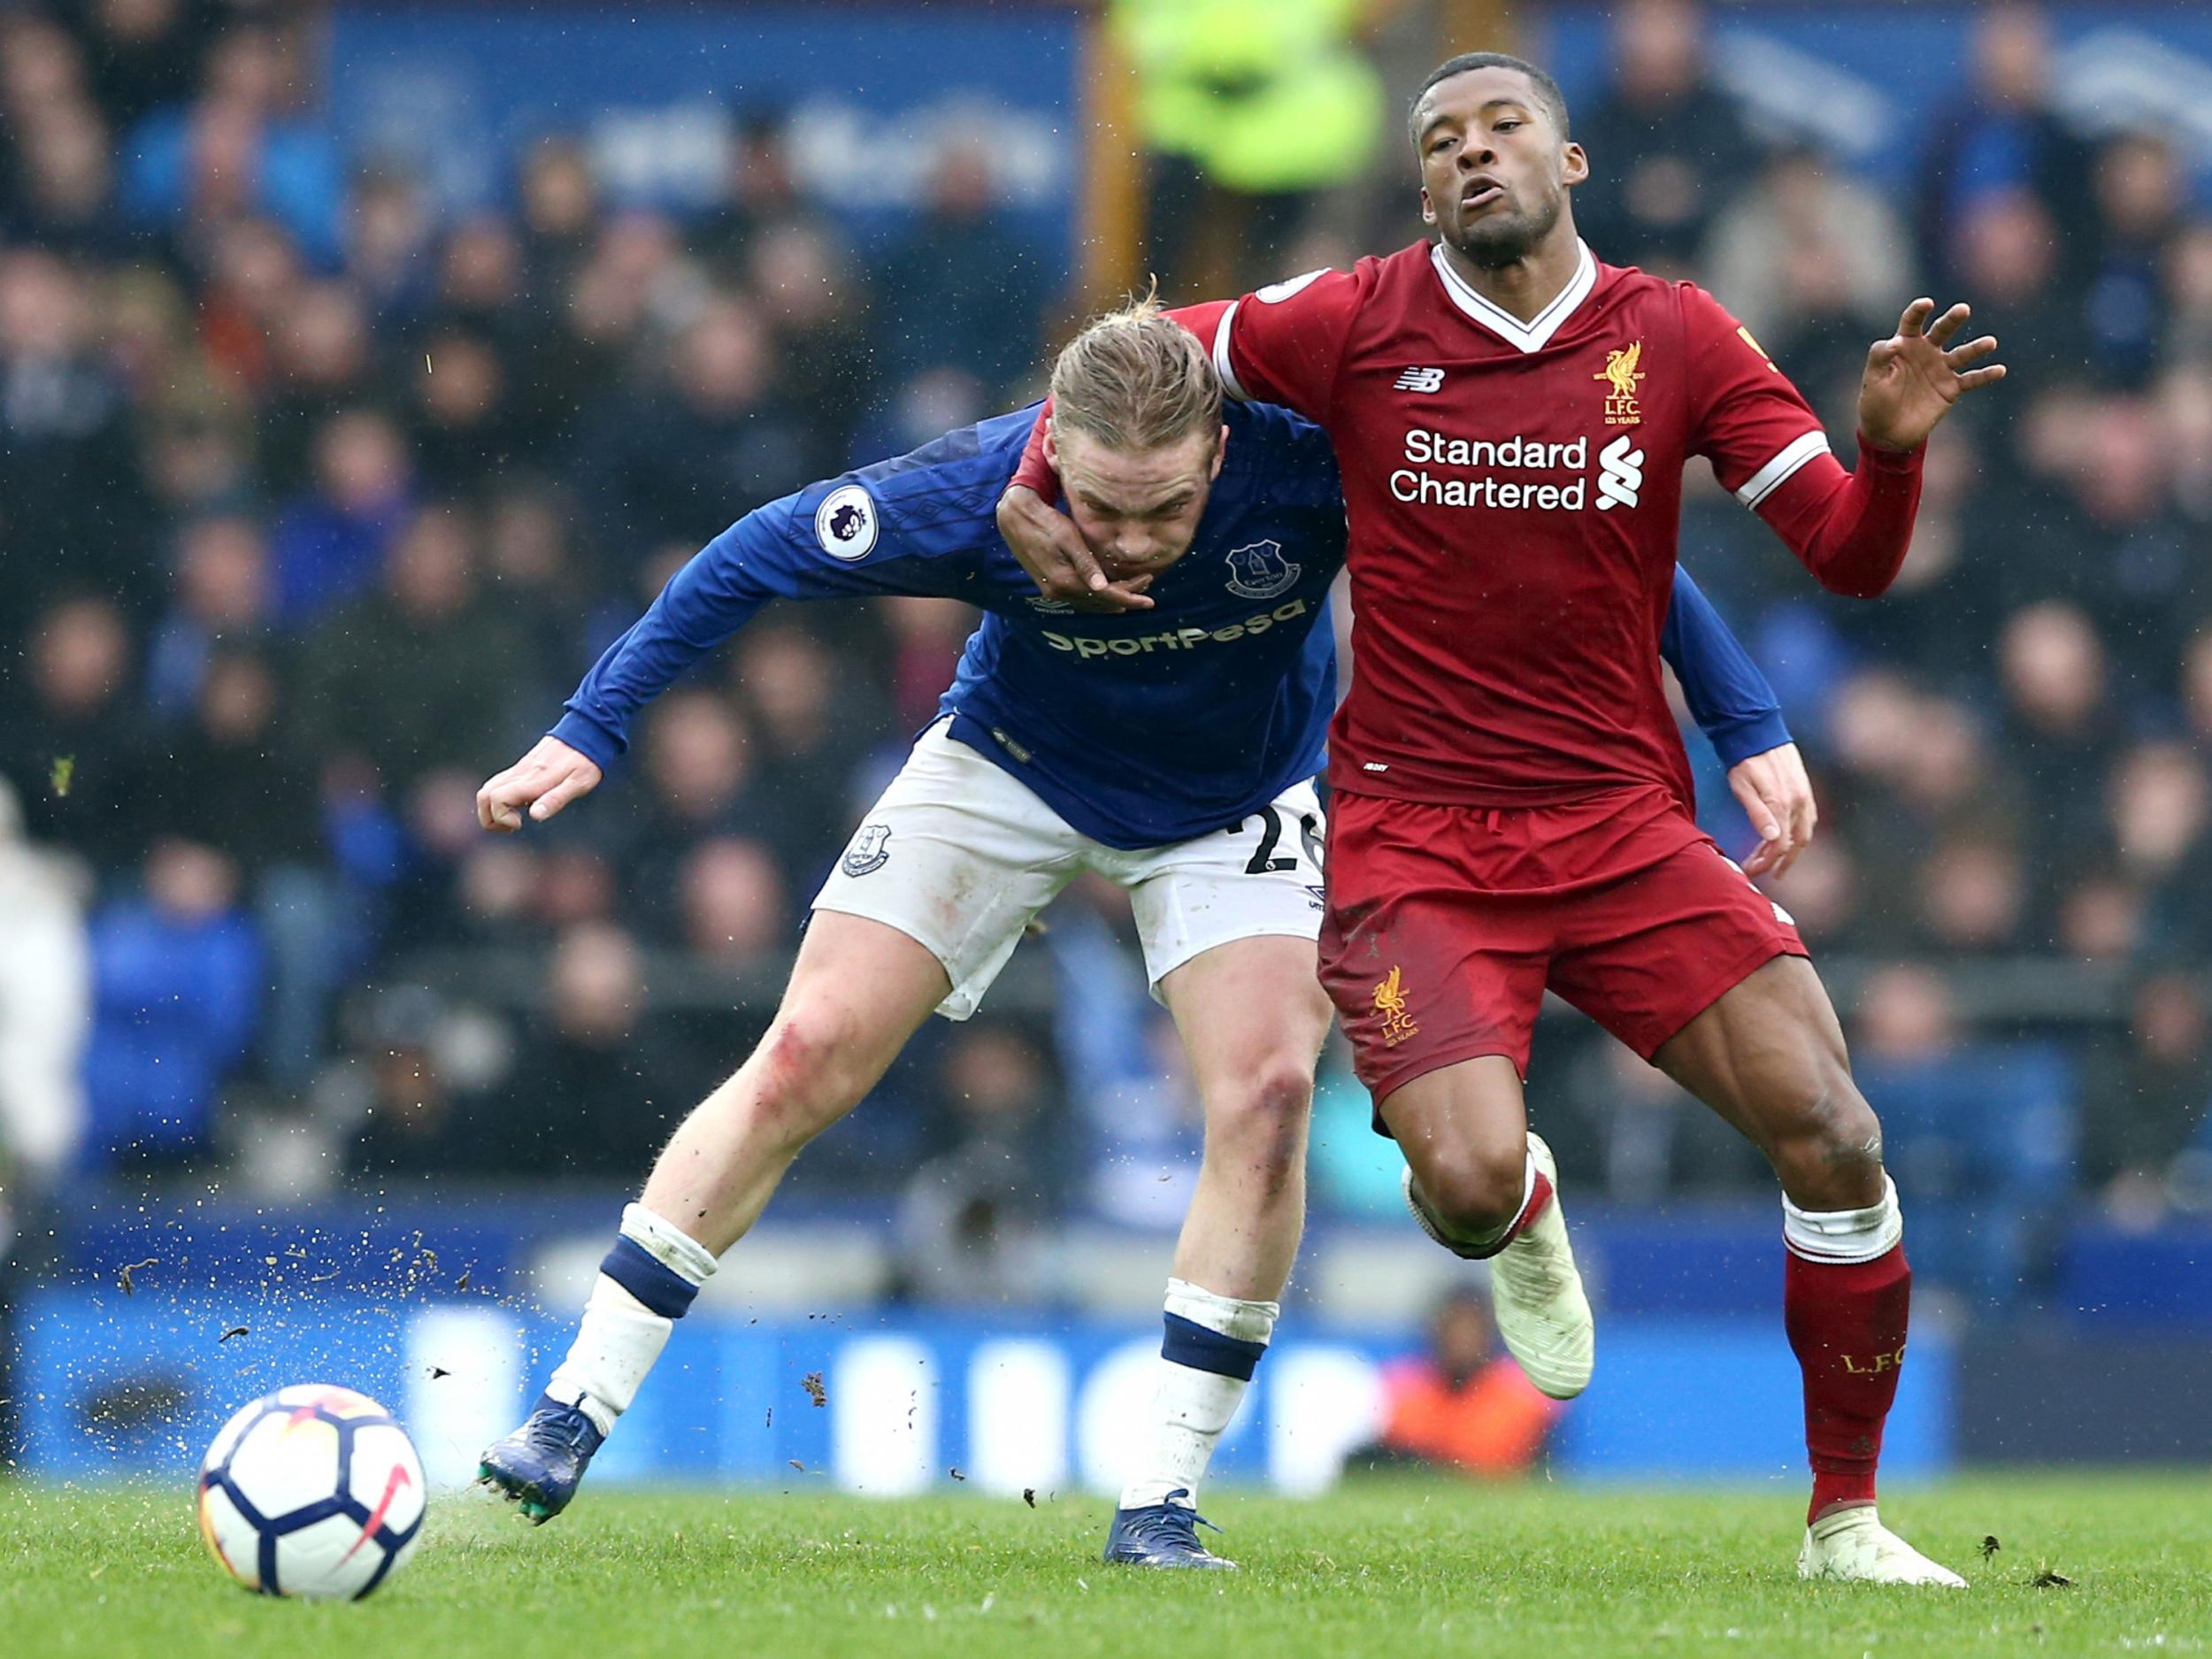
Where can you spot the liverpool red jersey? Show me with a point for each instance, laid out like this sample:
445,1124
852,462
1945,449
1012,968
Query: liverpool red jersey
1514,496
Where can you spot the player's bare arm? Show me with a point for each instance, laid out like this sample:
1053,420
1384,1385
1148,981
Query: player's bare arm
1777,797
539,784
1916,377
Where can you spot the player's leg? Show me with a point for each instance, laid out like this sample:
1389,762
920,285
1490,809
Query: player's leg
1700,972
1438,980
1252,1017
859,991
1768,1056
1463,1130
922,913
1485,1186
1228,924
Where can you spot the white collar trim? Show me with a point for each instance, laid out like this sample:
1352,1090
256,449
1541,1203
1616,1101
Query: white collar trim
1534,334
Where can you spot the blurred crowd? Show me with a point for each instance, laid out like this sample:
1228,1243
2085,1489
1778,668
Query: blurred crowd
315,501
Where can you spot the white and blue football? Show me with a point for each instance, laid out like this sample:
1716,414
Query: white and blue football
312,1491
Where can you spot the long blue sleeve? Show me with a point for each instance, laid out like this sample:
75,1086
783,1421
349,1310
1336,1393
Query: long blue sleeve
914,525
708,600
1140,730
1729,697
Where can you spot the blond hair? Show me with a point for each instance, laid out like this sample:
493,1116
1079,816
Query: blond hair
1136,379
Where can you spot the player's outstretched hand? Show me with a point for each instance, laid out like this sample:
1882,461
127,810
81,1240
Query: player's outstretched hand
1914,376
541,784
1777,798
1058,560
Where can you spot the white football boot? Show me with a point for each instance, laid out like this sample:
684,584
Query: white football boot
1535,1290
1852,1546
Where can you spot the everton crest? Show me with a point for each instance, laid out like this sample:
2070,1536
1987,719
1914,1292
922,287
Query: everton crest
868,853
1260,571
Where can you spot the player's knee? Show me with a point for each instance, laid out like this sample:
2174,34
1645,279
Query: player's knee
1258,1128
807,1074
1473,1191
1830,1157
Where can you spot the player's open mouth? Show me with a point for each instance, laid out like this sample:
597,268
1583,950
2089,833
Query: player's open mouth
1480,192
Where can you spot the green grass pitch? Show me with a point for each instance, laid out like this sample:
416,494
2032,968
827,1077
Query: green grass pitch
1403,1568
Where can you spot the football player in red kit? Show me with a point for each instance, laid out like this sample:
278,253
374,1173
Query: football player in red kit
1512,809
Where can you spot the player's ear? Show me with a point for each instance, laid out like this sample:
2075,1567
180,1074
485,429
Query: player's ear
1574,164
1428,208
1221,450
1052,445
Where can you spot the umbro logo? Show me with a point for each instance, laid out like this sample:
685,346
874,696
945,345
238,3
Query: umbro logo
1420,380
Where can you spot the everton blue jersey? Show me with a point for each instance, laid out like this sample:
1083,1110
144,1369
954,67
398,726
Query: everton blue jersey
1140,730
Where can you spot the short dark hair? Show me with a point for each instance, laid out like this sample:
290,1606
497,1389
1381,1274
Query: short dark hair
1547,92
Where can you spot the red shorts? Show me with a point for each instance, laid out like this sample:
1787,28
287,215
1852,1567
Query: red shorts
1446,924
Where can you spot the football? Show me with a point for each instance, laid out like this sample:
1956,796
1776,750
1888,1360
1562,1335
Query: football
312,1491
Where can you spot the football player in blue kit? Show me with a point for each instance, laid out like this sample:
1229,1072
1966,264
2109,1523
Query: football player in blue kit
1171,749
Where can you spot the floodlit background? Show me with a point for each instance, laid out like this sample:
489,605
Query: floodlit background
365,368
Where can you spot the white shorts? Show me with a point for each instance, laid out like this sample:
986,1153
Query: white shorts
959,857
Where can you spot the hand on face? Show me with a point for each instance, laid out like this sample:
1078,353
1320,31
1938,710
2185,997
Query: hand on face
1046,544
1131,514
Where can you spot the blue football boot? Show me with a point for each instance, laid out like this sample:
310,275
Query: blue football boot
1162,1535
538,1467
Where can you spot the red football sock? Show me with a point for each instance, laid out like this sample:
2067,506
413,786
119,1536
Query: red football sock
1539,1195
1847,1326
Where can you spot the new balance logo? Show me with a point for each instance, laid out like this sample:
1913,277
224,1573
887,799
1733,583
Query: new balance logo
1421,381
1620,475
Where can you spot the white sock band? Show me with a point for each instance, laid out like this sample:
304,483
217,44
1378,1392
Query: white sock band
668,1244
1193,1406
619,1337
1845,1236
1247,1321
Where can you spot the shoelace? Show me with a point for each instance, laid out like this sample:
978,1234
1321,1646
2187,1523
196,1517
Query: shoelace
1171,1523
569,1430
